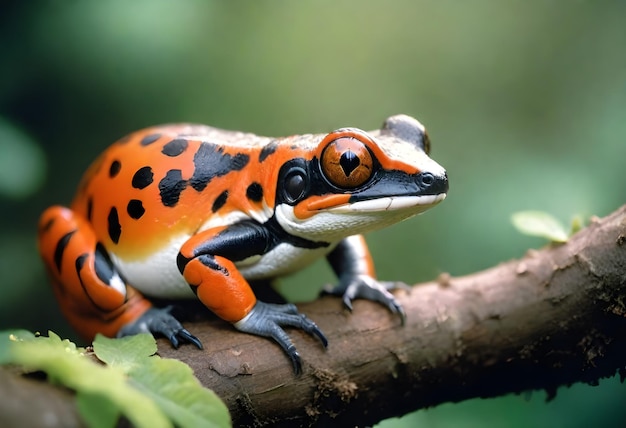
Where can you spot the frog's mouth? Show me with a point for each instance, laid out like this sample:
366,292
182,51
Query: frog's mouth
391,203
345,204
336,216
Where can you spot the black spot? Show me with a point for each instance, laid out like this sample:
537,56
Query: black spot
89,208
104,271
220,201
349,162
135,209
171,186
115,228
143,178
209,261
210,161
149,139
60,249
103,264
175,147
114,169
267,150
80,262
181,262
254,192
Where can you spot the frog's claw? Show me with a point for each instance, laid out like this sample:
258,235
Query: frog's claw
268,320
160,321
366,287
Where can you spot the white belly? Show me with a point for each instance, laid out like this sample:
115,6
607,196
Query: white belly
158,276
282,260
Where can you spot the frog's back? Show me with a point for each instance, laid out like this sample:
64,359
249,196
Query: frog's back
167,181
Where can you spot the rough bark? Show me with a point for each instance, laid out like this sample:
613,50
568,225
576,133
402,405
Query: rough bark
555,317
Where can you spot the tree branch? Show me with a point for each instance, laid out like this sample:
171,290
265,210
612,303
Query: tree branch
555,317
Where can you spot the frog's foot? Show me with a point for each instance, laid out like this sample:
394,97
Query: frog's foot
160,321
268,320
366,287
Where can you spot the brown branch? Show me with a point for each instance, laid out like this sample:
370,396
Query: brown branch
555,317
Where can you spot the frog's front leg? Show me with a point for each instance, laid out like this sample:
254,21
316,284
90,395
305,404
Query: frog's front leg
207,262
92,294
352,263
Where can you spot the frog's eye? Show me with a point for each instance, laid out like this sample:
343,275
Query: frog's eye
295,184
347,163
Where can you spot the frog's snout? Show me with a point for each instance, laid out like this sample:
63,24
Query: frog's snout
431,184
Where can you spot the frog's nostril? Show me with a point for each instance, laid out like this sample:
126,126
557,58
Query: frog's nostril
426,179
432,184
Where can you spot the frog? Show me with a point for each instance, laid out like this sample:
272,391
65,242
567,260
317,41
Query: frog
186,210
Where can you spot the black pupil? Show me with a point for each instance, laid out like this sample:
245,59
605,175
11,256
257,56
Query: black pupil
295,186
349,162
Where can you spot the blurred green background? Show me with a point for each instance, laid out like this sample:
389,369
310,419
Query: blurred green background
525,102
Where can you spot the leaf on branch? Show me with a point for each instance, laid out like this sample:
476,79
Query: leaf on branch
170,383
541,224
148,390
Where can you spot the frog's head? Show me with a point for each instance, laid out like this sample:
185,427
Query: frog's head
356,181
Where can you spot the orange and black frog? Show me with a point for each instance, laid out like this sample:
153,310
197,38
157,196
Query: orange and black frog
183,210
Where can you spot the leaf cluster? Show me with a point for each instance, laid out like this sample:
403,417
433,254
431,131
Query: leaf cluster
133,382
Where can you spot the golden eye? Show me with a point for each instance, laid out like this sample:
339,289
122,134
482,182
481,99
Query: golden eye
347,163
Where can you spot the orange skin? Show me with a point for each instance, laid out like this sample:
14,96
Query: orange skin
94,306
89,305
141,238
181,188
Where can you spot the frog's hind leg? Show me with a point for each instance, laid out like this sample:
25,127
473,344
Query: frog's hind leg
92,294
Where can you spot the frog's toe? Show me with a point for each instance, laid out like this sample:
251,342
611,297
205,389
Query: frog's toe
160,321
366,287
187,337
268,320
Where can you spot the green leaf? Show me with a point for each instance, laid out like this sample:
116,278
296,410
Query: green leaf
577,224
170,383
125,352
146,389
539,223
97,410
7,337
67,365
